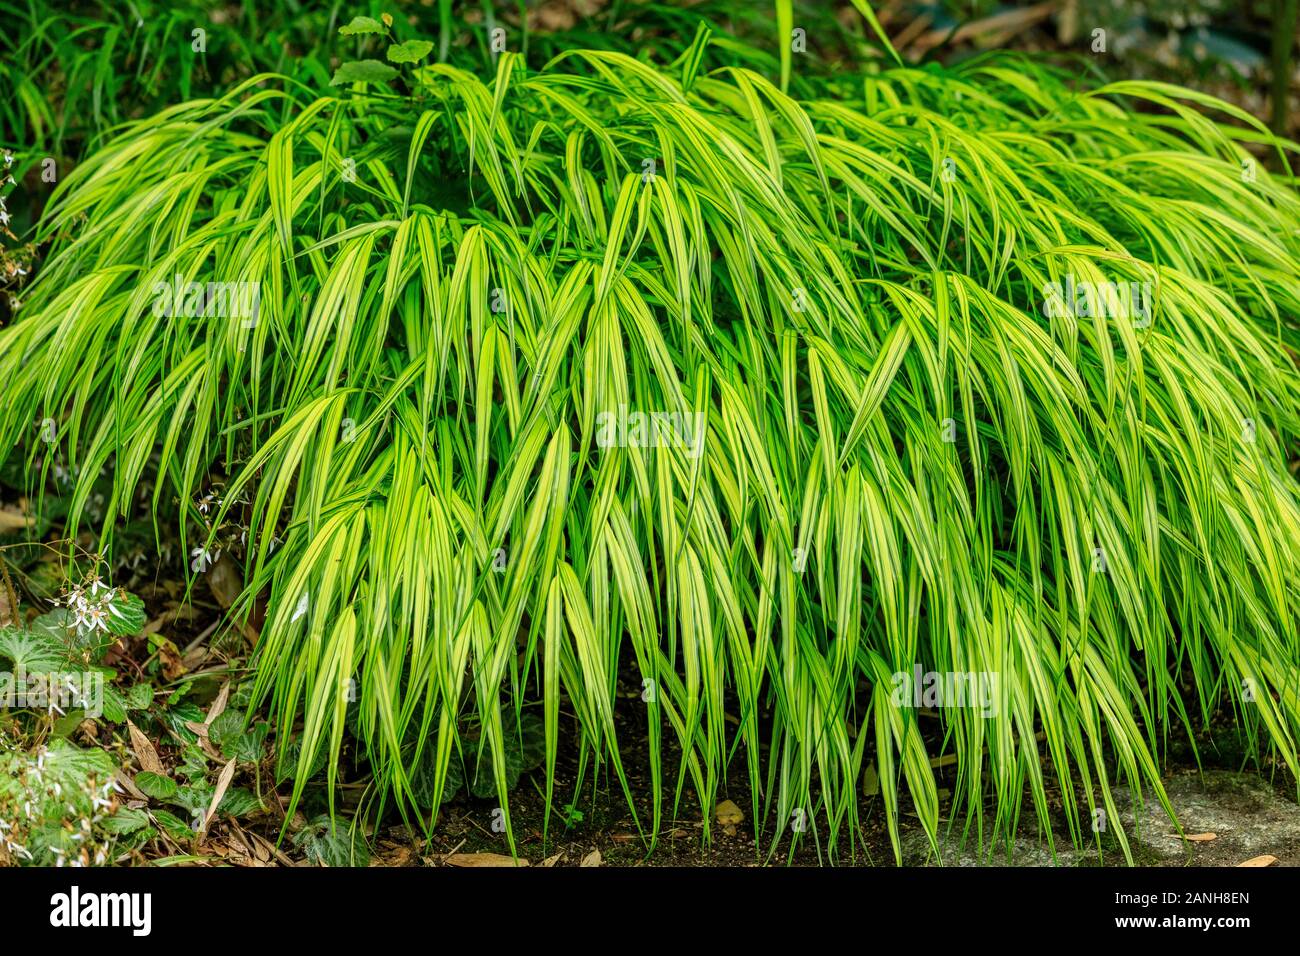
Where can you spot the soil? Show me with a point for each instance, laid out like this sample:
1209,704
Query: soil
1248,814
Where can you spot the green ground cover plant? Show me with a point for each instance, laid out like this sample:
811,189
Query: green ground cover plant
517,377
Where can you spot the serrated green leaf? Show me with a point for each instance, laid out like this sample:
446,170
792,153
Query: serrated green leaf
173,825
31,651
332,843
239,802
175,718
361,26
228,725
412,51
114,704
155,785
140,696
248,746
125,820
363,71
126,615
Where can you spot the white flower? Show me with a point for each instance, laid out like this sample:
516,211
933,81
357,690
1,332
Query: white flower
203,559
9,159
90,618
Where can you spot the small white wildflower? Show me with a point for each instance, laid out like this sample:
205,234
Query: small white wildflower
97,619
203,559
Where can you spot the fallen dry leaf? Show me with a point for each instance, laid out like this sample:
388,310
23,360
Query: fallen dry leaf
591,859
129,785
1264,860
226,584
482,859
1200,837
728,814
170,658
14,520
223,782
551,860
218,706
388,853
143,750
8,599
223,579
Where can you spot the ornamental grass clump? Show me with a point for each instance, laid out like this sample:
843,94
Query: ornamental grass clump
947,410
